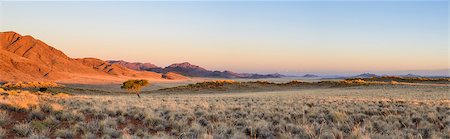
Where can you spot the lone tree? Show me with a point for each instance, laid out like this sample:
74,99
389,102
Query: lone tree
134,86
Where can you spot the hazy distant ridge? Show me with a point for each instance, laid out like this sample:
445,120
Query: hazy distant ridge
188,69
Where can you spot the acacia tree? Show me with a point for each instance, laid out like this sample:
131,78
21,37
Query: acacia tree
134,86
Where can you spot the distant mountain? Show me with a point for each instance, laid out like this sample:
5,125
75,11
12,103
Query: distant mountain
410,75
137,66
114,69
365,75
423,73
24,58
188,69
310,76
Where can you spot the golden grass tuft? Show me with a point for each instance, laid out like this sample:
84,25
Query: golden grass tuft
394,82
223,81
18,99
56,107
30,85
354,81
62,95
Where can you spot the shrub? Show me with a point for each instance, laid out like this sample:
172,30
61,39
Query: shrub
121,120
22,129
51,107
51,121
3,133
40,126
203,122
42,89
155,123
337,116
112,132
195,131
70,116
4,118
93,127
89,136
108,122
224,81
19,85
65,133
37,114
294,82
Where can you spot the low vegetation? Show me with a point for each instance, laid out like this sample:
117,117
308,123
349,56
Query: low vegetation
361,111
234,86
134,86
25,100
22,85
24,113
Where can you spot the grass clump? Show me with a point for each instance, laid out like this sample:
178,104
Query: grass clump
19,99
25,100
23,129
22,85
65,133
4,118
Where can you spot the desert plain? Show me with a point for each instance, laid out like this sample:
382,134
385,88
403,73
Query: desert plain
230,109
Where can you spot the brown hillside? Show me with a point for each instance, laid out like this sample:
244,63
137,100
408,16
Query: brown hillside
24,58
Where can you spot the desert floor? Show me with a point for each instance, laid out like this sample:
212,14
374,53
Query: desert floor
387,111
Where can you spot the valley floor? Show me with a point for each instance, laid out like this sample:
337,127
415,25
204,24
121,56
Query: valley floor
349,112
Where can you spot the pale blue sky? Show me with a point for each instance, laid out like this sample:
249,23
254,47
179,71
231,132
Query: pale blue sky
285,37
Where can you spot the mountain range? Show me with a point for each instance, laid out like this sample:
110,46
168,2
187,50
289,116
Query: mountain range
188,69
25,58
310,76
370,75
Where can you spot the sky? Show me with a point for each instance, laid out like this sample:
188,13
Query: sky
326,37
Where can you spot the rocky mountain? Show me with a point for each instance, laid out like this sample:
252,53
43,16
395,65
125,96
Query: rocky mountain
114,69
410,75
310,76
24,58
188,69
136,65
365,75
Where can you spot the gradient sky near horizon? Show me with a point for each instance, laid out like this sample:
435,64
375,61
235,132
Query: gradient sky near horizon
284,37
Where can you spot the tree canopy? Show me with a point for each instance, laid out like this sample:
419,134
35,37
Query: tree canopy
134,85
